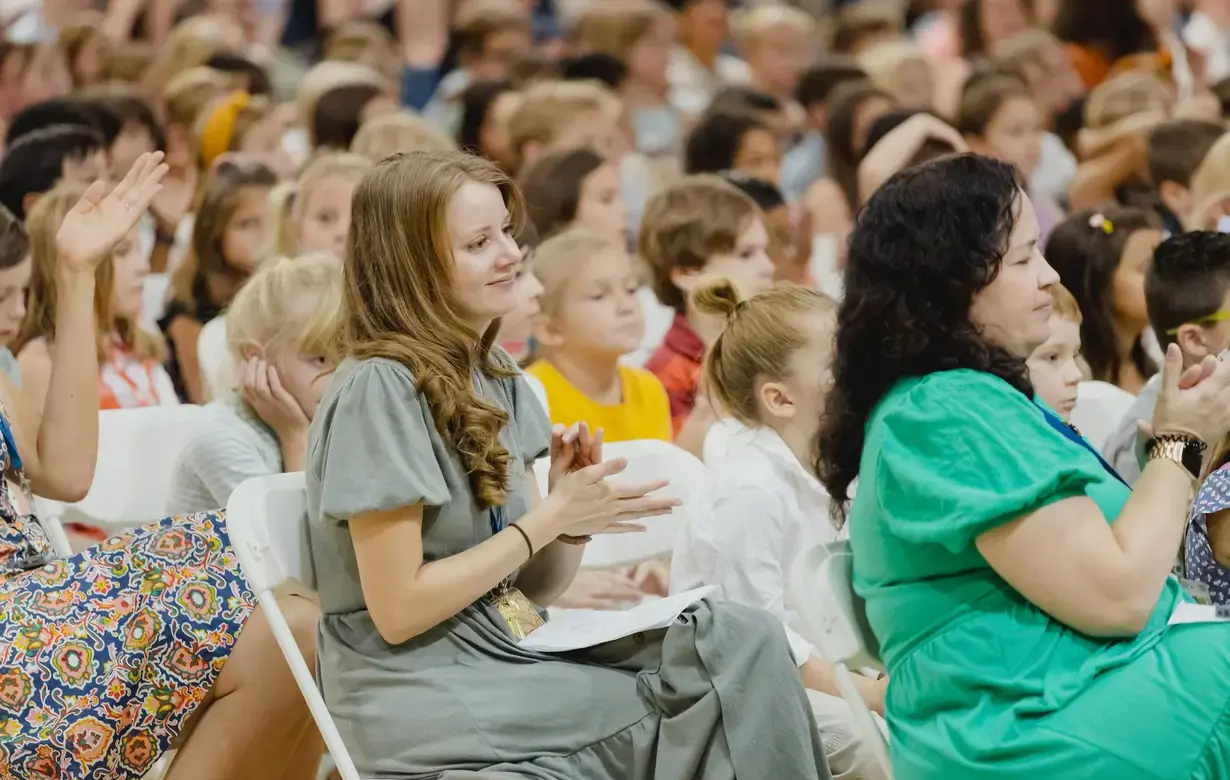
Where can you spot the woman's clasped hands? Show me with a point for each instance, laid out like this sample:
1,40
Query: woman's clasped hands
1194,401
583,501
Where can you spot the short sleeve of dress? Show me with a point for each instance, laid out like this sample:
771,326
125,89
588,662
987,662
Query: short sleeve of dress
963,452
373,449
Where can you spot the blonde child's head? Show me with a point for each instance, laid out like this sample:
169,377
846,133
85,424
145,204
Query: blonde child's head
639,33
250,124
575,187
117,285
1054,367
701,228
283,317
771,364
588,301
87,49
320,208
558,114
402,131
899,68
193,41
1125,96
777,40
228,234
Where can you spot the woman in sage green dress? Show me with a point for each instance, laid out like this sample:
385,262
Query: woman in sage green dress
434,553
1019,589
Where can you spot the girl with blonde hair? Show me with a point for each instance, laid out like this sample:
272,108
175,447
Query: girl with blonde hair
318,212
435,552
769,372
130,372
277,331
402,131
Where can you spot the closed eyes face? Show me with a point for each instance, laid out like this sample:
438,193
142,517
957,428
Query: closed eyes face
485,256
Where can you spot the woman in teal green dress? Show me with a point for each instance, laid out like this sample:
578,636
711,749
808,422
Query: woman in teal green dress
1019,590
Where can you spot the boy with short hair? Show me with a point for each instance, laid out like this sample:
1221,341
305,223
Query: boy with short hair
1176,150
1187,291
1054,367
695,230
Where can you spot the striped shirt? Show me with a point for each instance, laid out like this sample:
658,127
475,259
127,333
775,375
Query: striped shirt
232,446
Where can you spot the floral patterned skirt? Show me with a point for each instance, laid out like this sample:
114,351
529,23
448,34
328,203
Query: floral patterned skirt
105,655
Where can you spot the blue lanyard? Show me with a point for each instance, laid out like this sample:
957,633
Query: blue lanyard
496,515
1071,434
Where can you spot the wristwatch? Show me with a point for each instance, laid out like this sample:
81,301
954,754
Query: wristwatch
1187,451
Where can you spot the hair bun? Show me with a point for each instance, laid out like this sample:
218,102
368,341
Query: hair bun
717,297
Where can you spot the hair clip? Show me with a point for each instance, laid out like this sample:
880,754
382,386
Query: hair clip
1100,222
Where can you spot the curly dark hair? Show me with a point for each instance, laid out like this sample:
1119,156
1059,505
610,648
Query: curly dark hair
926,242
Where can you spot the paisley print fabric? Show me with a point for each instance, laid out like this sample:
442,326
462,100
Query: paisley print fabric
103,656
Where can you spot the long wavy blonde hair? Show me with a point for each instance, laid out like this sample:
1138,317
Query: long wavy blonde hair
398,302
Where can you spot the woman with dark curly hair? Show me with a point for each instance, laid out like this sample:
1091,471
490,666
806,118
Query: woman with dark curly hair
1019,589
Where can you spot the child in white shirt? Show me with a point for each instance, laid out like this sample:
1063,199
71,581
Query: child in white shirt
770,370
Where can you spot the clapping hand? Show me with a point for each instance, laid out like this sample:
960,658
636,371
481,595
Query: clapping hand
572,448
101,219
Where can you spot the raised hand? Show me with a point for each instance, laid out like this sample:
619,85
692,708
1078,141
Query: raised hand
101,219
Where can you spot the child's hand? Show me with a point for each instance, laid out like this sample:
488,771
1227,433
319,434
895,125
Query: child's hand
263,391
101,219
595,589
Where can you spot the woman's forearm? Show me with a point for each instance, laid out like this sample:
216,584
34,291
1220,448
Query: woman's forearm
68,434
549,573
1149,530
405,603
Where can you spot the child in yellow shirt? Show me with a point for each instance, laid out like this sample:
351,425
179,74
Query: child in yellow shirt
590,318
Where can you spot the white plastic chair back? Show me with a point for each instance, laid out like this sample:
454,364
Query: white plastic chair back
217,371
137,451
1100,407
267,522
833,618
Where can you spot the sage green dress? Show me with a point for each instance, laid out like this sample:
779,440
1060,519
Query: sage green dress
714,697
983,684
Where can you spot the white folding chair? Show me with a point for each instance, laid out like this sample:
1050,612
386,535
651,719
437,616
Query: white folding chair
833,618
137,451
267,522
1100,407
212,354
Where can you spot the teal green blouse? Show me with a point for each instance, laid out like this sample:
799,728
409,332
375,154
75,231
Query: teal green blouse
983,683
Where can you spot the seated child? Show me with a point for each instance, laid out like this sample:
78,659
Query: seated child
769,370
15,264
1054,367
276,331
699,229
590,319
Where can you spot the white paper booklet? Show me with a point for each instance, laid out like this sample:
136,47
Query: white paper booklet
581,628
1187,612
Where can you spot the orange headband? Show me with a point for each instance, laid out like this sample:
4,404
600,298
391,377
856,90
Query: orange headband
219,129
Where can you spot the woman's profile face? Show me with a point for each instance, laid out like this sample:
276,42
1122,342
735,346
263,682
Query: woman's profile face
1014,310
485,256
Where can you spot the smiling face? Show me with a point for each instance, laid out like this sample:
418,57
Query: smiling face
485,256
1014,310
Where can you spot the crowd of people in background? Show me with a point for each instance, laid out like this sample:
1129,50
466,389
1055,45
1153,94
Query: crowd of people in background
883,251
